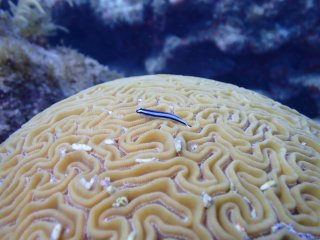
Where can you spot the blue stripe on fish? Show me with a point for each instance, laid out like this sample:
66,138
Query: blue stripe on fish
159,114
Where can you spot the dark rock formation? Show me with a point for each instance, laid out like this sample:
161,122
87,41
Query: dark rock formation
258,45
33,77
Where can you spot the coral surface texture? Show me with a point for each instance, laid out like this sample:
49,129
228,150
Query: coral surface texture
91,167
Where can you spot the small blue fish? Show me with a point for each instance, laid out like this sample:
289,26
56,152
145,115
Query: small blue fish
154,113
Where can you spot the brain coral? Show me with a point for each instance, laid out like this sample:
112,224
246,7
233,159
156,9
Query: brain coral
90,167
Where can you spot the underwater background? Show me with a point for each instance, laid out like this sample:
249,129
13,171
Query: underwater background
51,49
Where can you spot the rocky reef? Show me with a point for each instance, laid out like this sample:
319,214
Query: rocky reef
34,75
52,49
262,46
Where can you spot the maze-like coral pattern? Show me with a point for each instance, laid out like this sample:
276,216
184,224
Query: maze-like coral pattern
90,167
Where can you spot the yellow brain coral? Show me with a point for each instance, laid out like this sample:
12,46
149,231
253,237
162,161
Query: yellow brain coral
90,167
